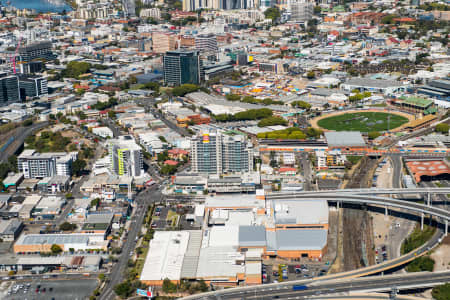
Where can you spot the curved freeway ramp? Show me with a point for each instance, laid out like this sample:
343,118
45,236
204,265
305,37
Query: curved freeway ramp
18,139
371,296
323,288
367,199
335,281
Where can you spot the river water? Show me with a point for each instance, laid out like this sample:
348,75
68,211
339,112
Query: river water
39,5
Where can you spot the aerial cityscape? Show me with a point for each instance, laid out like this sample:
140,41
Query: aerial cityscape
206,149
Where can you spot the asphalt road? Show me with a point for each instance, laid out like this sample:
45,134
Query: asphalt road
386,283
397,171
143,201
114,128
397,234
21,134
307,172
320,287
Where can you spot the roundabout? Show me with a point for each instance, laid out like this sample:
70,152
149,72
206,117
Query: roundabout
362,120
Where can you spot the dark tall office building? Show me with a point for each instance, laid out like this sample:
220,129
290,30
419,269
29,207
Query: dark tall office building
182,67
36,50
9,89
31,67
32,86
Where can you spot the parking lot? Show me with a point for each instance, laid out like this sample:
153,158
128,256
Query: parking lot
159,217
276,272
164,217
49,289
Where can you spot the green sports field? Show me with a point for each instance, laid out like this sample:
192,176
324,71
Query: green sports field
362,121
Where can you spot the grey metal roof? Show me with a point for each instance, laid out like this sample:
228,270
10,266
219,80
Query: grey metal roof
225,180
301,239
344,139
252,236
10,226
5,198
192,254
374,83
59,239
271,238
100,218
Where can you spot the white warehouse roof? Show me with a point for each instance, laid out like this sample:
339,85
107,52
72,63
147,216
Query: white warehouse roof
165,256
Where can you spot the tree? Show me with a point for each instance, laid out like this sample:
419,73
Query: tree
441,292
233,97
442,128
202,286
154,86
78,166
313,132
184,89
168,170
272,13
28,122
69,196
271,121
389,19
310,75
123,289
301,104
373,135
74,69
421,264
66,226
317,10
111,114
56,249
12,161
101,277
81,115
95,202
168,286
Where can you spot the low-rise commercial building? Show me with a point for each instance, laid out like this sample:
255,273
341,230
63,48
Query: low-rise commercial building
10,229
42,243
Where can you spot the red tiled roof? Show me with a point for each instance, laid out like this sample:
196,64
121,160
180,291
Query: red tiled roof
171,162
287,169
178,151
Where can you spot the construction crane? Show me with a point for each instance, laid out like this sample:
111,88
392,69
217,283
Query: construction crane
13,58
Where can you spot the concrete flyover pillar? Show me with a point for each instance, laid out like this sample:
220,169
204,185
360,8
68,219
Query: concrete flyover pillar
446,227
385,210
421,221
429,199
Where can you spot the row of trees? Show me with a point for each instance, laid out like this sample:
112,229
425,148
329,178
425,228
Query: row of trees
184,89
301,104
251,114
184,286
293,133
75,68
442,128
252,100
48,142
272,121
359,96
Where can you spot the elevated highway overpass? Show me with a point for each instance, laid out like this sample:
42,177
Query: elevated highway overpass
367,199
320,287
377,191
351,281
